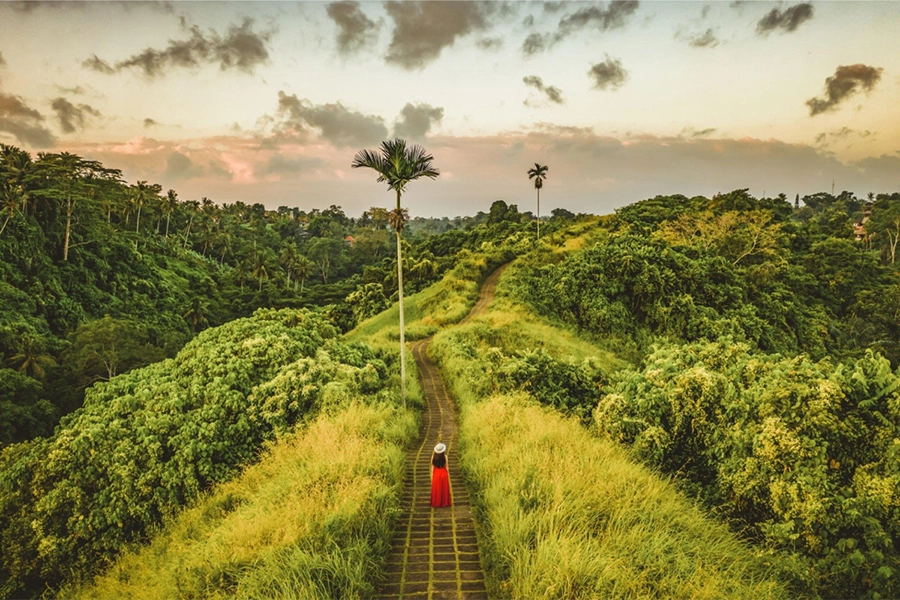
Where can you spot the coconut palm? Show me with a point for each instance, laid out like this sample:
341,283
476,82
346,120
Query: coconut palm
170,204
397,164
539,174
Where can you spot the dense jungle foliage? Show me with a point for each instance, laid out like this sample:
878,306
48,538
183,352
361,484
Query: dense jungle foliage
98,276
147,442
765,339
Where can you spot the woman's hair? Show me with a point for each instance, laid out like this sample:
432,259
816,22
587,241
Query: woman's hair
439,460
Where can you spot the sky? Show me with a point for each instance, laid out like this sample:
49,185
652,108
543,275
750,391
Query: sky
623,100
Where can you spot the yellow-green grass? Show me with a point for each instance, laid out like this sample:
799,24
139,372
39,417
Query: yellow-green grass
567,515
443,303
309,520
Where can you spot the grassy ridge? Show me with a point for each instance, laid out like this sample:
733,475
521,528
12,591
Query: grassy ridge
567,514
309,521
313,517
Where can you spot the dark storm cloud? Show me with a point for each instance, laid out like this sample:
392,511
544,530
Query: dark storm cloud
180,166
609,74
355,29
415,121
242,48
23,122
148,122
553,93
72,117
553,7
846,81
423,29
336,124
707,39
786,21
614,16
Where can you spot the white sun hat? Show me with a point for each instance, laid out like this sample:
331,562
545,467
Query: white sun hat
440,449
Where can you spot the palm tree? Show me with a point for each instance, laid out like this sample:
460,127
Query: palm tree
32,358
302,270
397,164
170,204
8,203
196,313
539,174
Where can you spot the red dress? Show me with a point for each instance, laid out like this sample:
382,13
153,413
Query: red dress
440,482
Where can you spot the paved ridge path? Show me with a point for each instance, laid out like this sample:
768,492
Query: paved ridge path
434,552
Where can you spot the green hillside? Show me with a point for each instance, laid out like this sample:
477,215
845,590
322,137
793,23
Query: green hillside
693,397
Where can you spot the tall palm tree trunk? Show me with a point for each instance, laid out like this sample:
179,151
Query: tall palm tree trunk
539,214
402,322
69,209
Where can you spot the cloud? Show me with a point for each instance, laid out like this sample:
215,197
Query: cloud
179,167
23,122
553,93
614,16
242,48
2,60
494,43
72,117
77,90
707,39
336,124
95,63
786,21
278,164
843,136
609,74
148,122
846,82
533,44
415,121
355,29
423,29
697,133
705,11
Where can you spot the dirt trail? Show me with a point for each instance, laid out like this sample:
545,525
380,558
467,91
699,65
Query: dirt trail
434,552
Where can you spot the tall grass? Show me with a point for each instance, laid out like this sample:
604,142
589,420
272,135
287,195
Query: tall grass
311,520
567,514
443,303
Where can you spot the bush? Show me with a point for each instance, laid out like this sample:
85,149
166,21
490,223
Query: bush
804,456
149,441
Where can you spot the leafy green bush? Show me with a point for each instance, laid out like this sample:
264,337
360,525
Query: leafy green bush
311,519
147,442
804,456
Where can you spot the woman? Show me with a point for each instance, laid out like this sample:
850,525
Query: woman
440,481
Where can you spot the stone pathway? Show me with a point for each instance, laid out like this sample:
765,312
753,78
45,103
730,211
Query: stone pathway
434,551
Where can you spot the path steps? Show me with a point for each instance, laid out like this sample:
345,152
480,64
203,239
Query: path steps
434,552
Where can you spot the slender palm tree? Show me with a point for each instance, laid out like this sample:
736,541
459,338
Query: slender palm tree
170,204
539,174
397,164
